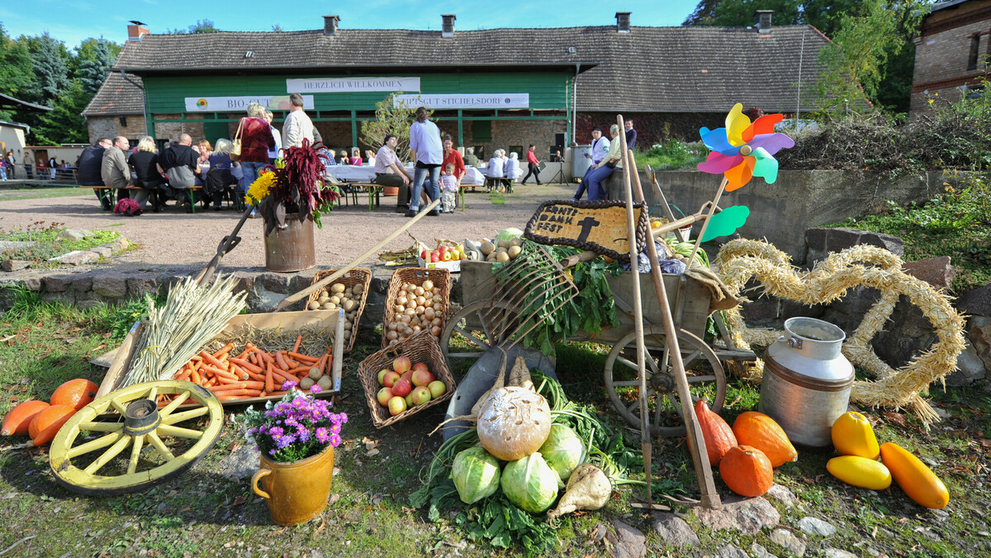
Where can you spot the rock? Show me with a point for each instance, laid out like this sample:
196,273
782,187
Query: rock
599,533
975,302
760,552
240,464
971,368
820,242
119,245
674,530
274,282
938,272
837,553
788,541
15,265
979,335
816,526
77,257
56,283
748,515
74,235
111,286
730,551
627,541
782,494
138,287
103,250
10,245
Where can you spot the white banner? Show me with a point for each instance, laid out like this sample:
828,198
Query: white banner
343,85
466,100
222,104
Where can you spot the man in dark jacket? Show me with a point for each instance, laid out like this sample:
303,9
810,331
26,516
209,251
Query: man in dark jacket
89,168
180,162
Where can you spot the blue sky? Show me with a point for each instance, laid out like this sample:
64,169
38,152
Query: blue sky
72,21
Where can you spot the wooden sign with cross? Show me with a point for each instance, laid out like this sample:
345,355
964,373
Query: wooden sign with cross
597,226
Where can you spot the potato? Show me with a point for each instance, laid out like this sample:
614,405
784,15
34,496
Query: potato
325,383
487,248
329,306
306,383
337,288
502,257
514,251
313,305
349,305
314,373
503,244
516,242
357,289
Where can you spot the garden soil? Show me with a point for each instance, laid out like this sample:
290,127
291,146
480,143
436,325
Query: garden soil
174,237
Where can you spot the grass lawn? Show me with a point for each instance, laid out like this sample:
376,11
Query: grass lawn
202,513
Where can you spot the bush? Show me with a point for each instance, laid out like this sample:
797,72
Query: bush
673,155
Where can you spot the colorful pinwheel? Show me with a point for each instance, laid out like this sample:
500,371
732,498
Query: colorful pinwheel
743,149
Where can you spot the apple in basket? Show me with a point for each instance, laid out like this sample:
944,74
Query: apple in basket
383,396
402,387
422,377
420,395
437,388
390,378
381,376
401,364
409,401
396,405
420,366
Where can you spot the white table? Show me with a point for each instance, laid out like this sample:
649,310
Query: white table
366,173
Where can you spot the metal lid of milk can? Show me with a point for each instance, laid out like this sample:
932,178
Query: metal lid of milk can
813,348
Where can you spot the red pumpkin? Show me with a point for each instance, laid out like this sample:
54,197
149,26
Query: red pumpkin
746,471
718,435
760,431
19,418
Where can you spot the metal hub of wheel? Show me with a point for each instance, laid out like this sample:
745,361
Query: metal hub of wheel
87,455
702,368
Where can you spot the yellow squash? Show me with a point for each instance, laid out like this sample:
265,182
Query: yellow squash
860,471
912,475
852,435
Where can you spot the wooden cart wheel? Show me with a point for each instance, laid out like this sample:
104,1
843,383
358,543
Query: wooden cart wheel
470,340
87,455
702,367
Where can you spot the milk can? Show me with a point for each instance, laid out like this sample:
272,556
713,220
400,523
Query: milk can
807,380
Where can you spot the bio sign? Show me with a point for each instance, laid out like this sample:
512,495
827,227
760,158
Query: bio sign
599,226
223,104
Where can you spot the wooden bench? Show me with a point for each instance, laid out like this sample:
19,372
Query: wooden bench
103,191
496,182
373,190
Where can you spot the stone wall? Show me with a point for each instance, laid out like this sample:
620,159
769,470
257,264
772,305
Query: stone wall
110,126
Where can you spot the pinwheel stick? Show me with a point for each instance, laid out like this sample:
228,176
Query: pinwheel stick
705,224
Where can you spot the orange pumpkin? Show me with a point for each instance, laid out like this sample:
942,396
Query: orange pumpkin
75,393
46,424
760,431
746,471
18,419
719,437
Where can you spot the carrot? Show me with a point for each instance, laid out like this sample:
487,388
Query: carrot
241,374
244,354
247,365
281,361
303,358
212,360
274,393
269,378
210,383
253,358
299,340
237,385
194,376
219,372
300,370
238,394
223,351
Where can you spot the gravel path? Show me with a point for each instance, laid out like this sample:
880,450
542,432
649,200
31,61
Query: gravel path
175,237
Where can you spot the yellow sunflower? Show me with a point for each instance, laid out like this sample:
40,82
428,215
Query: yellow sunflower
260,188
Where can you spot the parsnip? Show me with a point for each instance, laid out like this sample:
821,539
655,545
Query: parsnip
588,489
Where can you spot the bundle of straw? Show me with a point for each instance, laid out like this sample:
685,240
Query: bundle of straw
191,317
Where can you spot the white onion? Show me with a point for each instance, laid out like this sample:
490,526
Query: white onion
416,329
391,335
428,285
437,321
418,291
435,331
429,313
438,307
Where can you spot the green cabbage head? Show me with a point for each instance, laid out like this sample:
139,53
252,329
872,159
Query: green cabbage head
476,474
508,234
563,450
530,483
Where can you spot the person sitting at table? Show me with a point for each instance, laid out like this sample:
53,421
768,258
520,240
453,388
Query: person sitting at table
219,178
179,161
494,169
327,158
470,159
370,157
144,164
355,157
204,149
344,159
512,171
390,171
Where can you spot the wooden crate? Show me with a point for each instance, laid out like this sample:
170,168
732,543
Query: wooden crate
356,276
441,279
421,347
329,321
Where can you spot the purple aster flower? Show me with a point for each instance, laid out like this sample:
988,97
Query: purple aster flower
335,440
315,389
289,385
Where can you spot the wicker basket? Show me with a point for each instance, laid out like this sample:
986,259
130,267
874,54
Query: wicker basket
358,275
441,279
421,347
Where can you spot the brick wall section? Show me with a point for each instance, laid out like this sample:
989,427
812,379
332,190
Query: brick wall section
943,50
109,126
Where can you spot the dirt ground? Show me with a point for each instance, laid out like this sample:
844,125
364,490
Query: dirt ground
176,237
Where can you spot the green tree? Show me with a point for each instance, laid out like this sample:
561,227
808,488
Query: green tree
51,68
740,13
390,119
16,73
93,69
65,123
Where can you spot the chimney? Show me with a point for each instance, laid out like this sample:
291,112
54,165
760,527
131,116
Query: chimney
135,32
762,20
622,22
447,26
330,24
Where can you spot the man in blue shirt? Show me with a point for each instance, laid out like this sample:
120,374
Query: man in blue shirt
631,134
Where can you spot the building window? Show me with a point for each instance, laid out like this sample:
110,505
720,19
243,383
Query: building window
975,47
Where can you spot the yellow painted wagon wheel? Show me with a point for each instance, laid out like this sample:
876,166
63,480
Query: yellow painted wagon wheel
88,453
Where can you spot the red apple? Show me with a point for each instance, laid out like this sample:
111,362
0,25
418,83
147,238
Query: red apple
435,256
437,388
383,396
420,366
409,401
390,378
424,255
381,375
422,377
420,395
401,364
408,376
396,405
402,387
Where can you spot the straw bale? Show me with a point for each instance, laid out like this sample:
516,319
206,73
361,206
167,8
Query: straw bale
742,260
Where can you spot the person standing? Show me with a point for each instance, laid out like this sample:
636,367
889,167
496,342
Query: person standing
424,141
533,166
257,139
389,171
453,157
298,125
600,146
631,134
114,170
273,153
449,188
53,166
29,162
11,165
